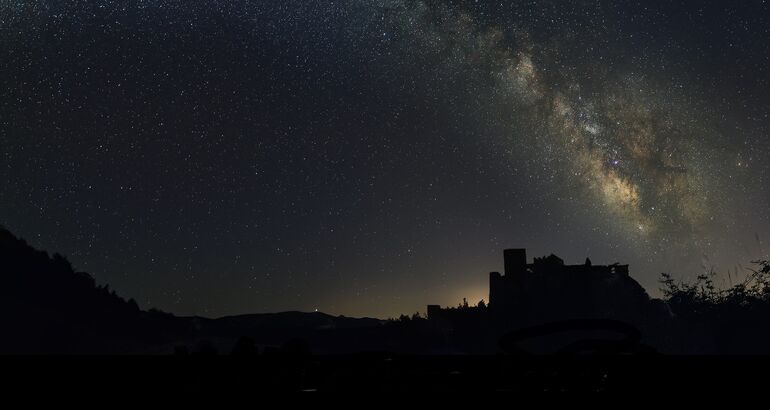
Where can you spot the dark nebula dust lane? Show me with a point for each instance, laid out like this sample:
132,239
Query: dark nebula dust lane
370,157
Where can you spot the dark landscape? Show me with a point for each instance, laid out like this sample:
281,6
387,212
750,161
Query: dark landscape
384,196
572,346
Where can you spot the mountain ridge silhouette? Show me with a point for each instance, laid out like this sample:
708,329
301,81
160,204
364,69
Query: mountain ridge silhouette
46,306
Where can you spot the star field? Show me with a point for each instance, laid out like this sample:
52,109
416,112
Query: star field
370,157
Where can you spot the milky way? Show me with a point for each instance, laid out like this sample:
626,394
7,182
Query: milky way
370,157
651,157
642,151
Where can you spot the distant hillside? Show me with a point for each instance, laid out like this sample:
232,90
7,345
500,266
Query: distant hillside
48,307
321,332
304,320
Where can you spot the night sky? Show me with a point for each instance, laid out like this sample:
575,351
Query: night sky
369,157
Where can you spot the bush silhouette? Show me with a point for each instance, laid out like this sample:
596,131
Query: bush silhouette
735,318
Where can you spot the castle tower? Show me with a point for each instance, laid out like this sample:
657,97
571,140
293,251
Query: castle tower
515,261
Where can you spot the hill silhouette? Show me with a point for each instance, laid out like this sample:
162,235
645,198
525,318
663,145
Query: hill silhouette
295,319
48,307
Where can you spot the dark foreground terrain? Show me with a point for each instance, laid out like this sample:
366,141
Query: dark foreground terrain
197,376
63,333
47,307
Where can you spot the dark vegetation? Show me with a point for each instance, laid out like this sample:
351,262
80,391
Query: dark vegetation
47,306
731,320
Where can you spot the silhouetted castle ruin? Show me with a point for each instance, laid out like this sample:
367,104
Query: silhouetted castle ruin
547,289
